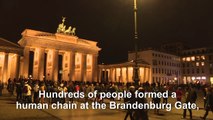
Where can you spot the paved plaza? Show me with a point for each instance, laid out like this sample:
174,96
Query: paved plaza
9,112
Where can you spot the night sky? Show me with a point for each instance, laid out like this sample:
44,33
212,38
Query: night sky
110,22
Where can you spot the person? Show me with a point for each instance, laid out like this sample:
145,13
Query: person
165,99
10,86
36,93
130,100
42,88
204,96
62,88
54,89
1,87
87,90
187,100
193,94
91,89
18,90
209,103
71,88
179,94
141,114
102,89
98,88
156,100
112,90
27,92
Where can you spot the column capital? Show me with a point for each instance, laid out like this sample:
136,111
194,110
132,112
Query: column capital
42,48
17,55
6,53
55,49
5,68
84,54
72,52
95,55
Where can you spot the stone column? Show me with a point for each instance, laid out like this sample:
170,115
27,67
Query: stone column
55,65
100,74
105,74
140,70
121,75
72,66
149,75
17,66
26,62
5,69
113,75
48,75
94,67
110,74
41,64
145,79
83,67
116,75
127,76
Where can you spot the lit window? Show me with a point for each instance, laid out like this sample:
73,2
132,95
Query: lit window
188,59
193,58
197,63
193,78
184,59
197,57
203,57
203,77
202,63
198,78
188,78
211,80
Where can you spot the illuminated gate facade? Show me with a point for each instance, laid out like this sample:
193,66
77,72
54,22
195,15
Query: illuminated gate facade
79,56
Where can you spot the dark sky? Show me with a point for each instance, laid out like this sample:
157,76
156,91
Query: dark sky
110,22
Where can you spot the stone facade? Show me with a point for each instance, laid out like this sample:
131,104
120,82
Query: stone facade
165,67
79,56
123,72
197,65
10,56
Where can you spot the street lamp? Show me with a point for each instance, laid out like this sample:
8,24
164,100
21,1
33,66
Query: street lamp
135,70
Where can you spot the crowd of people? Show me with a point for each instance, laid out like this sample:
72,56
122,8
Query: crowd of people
27,90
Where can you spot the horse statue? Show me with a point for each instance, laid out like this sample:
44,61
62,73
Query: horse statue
68,31
61,27
73,31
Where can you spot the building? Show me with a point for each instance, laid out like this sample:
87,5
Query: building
197,65
43,55
173,48
165,67
43,52
123,72
10,55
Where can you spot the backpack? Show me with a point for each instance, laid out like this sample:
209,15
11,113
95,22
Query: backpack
25,89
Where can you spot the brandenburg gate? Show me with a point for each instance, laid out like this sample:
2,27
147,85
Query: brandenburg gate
79,56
